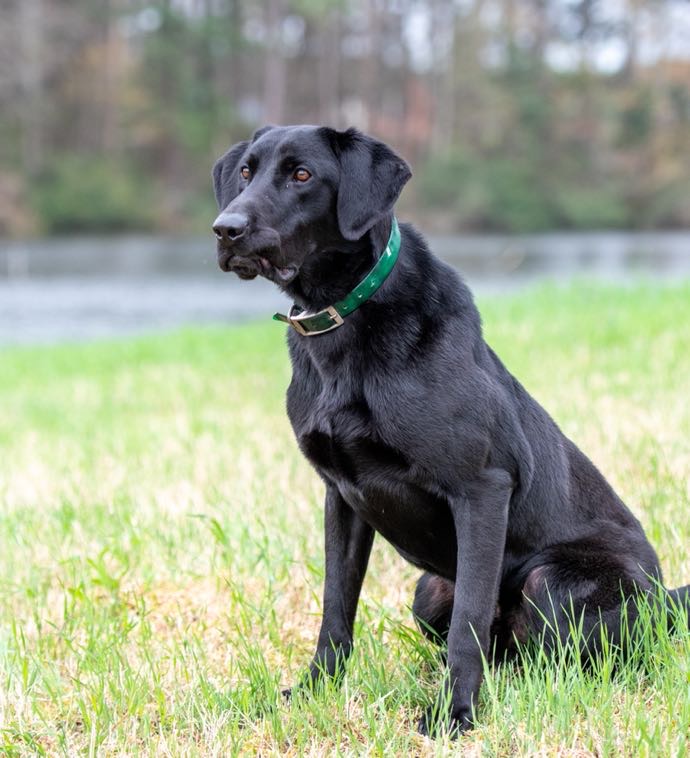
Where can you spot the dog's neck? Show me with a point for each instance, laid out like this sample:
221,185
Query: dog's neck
330,274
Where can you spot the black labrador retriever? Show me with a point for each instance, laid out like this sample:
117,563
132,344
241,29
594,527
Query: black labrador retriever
417,429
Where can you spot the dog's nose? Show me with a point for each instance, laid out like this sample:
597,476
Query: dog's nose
229,227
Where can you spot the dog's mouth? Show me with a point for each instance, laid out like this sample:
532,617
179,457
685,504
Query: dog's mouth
257,253
258,264
245,268
278,274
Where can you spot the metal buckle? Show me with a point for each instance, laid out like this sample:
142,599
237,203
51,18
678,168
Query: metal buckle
295,321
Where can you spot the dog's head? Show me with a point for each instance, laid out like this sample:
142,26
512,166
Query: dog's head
293,191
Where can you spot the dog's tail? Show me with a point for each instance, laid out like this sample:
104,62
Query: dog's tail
679,598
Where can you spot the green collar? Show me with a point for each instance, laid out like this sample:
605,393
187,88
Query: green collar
310,324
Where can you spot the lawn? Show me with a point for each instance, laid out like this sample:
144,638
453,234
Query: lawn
161,546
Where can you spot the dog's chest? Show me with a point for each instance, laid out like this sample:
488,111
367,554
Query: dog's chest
376,479
371,460
342,441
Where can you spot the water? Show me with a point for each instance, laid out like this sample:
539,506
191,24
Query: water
93,287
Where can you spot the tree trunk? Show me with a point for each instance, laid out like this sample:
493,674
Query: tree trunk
275,66
30,25
329,69
372,67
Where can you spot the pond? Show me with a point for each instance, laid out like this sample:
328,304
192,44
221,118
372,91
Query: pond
91,287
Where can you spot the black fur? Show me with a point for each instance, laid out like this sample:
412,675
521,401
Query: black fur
417,429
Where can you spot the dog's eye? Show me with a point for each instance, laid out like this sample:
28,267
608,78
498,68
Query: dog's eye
301,175
245,173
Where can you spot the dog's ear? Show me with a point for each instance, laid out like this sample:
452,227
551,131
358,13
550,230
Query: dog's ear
225,170
371,179
226,183
261,131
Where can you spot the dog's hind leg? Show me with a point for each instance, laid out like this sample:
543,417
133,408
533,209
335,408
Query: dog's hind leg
433,606
569,607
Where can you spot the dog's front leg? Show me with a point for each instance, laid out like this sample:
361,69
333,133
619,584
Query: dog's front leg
481,518
348,544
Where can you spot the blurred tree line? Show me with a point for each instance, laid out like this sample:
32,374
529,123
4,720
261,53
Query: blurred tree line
516,115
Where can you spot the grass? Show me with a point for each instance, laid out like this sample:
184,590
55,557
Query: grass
161,549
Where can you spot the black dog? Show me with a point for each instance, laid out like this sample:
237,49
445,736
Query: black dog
417,429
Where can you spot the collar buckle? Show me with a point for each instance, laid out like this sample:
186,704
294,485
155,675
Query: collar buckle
311,324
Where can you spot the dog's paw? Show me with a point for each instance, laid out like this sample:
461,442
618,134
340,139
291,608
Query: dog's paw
430,725
304,688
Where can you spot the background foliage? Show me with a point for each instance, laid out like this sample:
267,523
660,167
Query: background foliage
515,115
